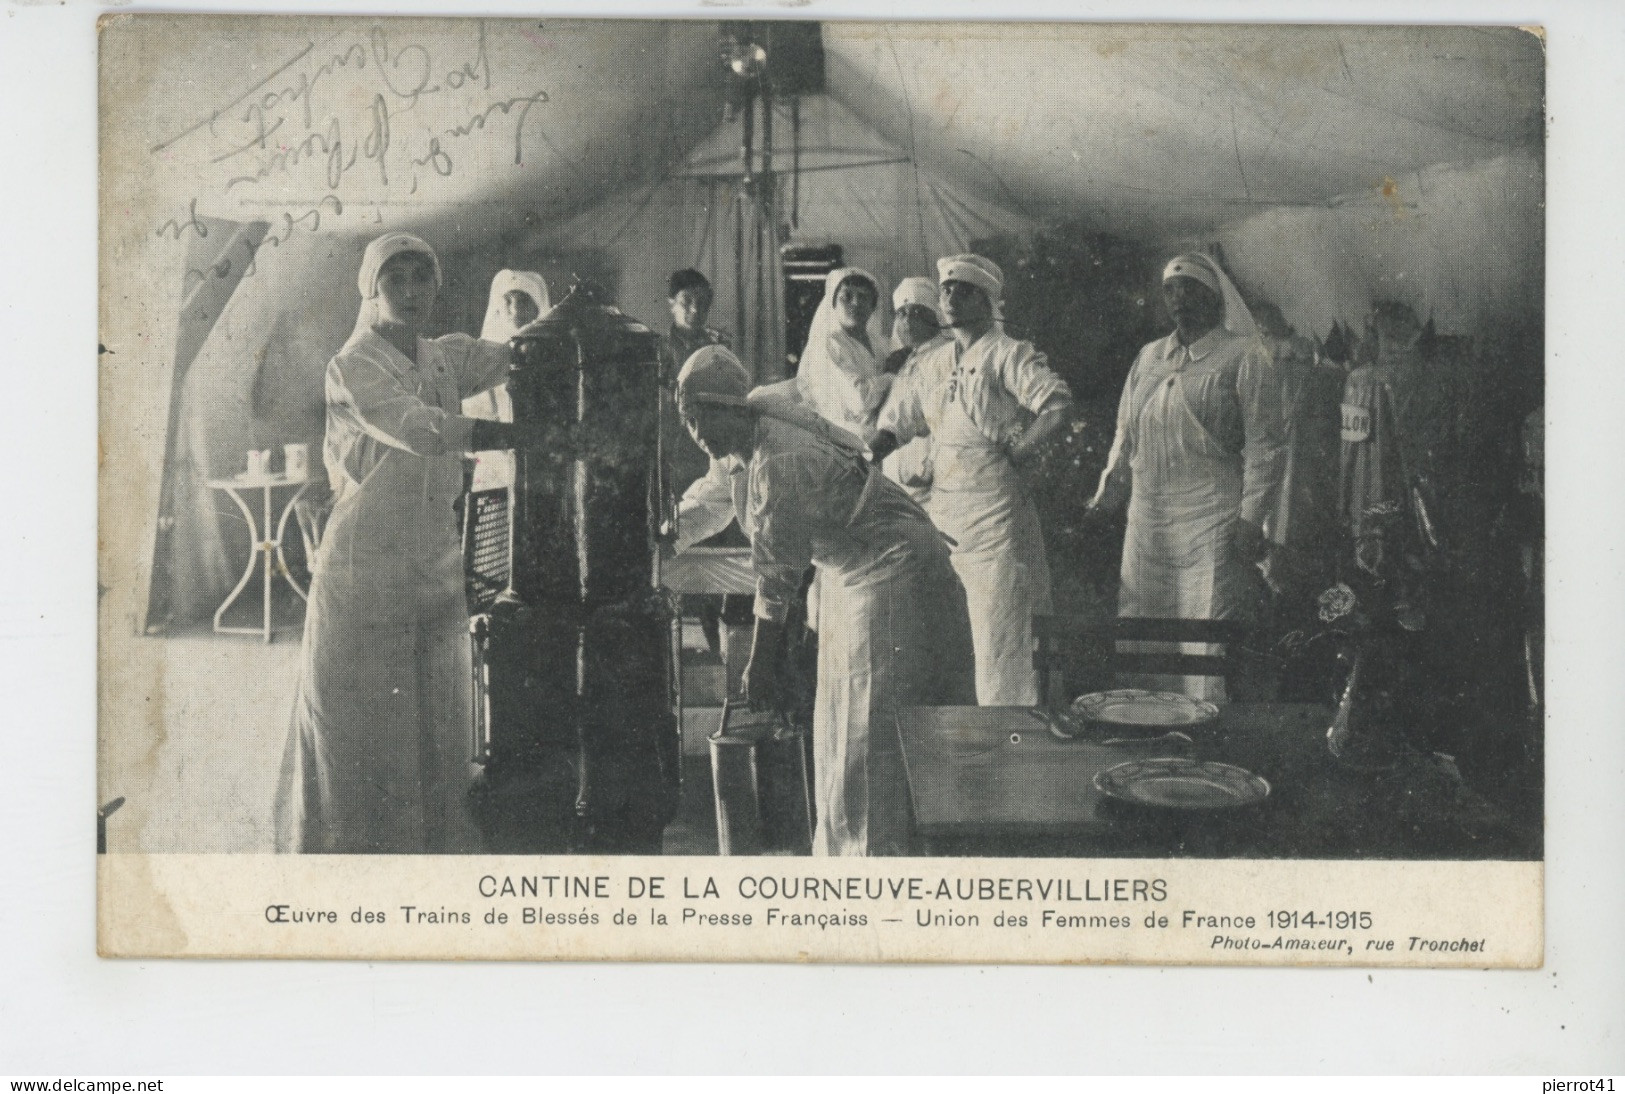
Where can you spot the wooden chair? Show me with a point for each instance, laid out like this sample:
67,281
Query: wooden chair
1075,654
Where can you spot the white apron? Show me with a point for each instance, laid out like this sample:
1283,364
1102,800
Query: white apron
1178,556
979,503
378,753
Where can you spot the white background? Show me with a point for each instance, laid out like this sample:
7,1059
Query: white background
63,1011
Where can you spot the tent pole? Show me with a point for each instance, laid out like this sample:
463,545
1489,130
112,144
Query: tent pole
747,184
747,149
766,219
767,127
775,284
758,214
795,162
739,259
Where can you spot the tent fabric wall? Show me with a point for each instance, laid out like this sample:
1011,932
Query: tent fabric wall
137,361
1463,243
1459,242
492,124
903,161
857,189
211,278
1153,130
514,124
257,382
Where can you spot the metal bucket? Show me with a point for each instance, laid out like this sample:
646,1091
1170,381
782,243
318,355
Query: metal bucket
761,772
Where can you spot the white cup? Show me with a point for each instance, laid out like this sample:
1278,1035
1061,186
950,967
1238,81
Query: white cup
259,461
296,461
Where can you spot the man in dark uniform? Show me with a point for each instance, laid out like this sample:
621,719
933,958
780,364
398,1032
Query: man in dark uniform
689,296
1418,498
1303,526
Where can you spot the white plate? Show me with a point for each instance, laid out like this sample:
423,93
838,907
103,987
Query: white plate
1170,783
1138,707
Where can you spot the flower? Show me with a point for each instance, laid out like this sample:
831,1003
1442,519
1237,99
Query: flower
1335,603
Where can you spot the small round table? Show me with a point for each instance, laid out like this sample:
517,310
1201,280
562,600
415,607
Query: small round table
266,546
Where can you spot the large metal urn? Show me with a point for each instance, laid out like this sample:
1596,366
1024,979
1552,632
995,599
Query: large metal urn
581,748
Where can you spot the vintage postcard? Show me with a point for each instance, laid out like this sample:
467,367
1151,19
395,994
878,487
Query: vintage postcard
832,491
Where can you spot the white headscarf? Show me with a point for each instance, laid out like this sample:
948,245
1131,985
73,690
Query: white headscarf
373,259
972,269
841,380
915,290
1199,267
497,326
712,374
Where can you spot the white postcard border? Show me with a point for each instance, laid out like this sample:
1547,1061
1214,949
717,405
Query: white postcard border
198,1009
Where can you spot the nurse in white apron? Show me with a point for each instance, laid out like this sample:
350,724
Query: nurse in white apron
1198,457
918,327
988,402
377,757
840,373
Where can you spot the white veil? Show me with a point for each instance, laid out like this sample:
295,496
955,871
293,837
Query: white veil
1238,318
497,326
496,469
916,290
494,405
837,376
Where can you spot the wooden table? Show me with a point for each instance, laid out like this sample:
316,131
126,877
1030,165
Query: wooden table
994,781
713,570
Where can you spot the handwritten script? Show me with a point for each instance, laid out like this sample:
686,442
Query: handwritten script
346,120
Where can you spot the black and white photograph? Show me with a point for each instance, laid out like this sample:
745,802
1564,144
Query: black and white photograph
789,441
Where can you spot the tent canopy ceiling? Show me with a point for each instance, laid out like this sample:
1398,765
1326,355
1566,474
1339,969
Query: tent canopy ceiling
1154,131
503,126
